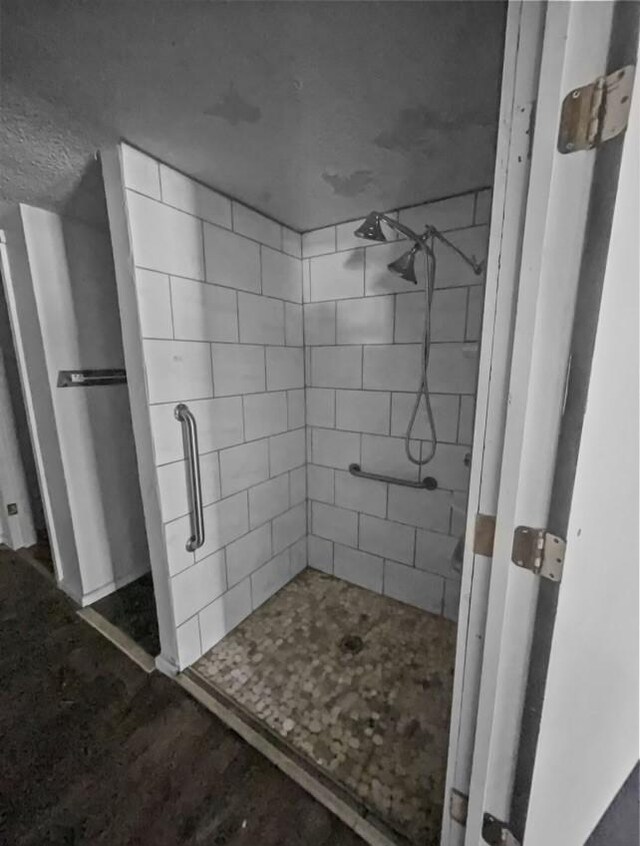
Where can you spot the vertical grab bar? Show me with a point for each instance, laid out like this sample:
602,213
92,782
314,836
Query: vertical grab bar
190,434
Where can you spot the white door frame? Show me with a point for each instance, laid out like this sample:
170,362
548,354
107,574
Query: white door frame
575,47
523,46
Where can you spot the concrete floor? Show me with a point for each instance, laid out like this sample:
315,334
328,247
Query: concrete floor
95,751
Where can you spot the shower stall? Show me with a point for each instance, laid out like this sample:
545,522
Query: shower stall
303,409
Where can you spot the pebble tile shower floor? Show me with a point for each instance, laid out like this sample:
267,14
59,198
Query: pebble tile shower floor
357,683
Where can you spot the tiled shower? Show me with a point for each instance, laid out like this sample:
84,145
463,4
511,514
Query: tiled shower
298,356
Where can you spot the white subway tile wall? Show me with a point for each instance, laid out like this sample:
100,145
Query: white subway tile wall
219,291
363,334
300,355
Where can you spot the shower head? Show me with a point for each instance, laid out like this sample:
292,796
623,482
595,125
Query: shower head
370,228
405,266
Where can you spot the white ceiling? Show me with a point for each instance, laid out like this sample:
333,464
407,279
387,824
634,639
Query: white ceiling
312,112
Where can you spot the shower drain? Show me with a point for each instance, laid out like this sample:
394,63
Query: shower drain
352,643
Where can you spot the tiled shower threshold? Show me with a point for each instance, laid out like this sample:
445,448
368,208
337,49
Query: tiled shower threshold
349,692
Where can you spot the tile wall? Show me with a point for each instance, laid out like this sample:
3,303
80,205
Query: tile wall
219,293
298,356
363,327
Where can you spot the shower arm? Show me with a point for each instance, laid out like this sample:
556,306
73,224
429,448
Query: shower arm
431,231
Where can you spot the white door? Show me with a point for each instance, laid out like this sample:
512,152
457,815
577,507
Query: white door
574,52
588,741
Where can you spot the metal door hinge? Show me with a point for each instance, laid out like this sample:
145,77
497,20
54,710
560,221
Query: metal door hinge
597,112
497,833
539,551
458,806
484,534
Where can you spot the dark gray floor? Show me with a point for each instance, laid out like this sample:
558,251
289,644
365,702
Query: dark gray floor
132,609
95,752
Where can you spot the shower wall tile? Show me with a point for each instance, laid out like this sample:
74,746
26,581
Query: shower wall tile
388,539
320,483
261,320
295,408
270,578
289,527
281,276
336,524
238,369
320,324
285,368
320,407
141,172
264,414
203,312
361,568
256,226
177,370
219,424
220,307
193,197
414,586
330,448
294,333
225,613
319,241
385,326
230,259
248,553
243,466
268,500
451,599
364,495
366,321
291,242
320,552
363,411
337,276
445,413
336,367
198,586
164,238
154,304
286,452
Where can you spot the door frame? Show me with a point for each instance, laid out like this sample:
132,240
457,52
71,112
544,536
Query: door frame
575,46
521,65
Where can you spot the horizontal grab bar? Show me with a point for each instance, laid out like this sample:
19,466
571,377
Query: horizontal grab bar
428,483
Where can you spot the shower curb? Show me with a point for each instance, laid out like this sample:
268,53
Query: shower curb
120,640
347,812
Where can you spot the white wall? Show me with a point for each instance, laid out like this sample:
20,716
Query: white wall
589,739
363,333
211,300
65,298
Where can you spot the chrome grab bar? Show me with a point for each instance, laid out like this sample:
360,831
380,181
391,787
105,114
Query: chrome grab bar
190,435
428,483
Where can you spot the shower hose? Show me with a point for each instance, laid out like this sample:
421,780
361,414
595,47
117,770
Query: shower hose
427,246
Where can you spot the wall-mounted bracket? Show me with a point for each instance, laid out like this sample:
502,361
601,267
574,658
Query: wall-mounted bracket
597,112
458,806
497,833
539,551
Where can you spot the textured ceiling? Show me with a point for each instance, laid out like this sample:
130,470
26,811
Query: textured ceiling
312,112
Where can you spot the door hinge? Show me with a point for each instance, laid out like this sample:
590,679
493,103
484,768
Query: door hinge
497,833
458,806
539,551
597,112
484,534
